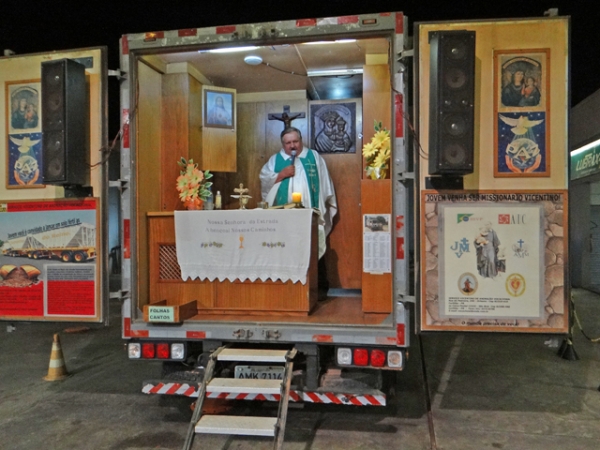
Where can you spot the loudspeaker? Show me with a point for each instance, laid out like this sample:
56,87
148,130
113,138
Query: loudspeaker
64,99
452,95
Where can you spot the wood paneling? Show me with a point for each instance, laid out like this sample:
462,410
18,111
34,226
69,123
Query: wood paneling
377,288
148,166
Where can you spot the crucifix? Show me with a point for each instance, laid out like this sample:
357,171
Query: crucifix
286,116
242,194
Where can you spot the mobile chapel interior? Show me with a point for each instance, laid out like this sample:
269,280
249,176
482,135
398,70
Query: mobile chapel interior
168,125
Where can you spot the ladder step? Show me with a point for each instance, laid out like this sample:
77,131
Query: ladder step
244,386
252,355
238,425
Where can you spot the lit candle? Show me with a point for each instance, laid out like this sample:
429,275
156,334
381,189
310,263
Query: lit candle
296,197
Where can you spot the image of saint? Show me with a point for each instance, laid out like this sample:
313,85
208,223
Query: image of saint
521,81
324,141
218,115
334,126
487,244
24,109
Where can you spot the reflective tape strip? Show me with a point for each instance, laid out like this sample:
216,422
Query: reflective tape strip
188,390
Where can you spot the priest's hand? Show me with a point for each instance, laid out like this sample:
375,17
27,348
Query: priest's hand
288,172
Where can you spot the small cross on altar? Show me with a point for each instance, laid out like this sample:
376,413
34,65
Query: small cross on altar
242,195
286,116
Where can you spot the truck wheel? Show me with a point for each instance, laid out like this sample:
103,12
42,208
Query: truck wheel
80,256
66,256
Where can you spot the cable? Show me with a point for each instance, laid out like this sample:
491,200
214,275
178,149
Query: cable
285,71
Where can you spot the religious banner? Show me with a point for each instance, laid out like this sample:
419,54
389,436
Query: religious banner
48,267
521,99
494,261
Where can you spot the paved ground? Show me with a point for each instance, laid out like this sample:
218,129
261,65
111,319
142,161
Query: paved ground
486,391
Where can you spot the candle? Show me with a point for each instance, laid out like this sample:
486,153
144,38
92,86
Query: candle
296,197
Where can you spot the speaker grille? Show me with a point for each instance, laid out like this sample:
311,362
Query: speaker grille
64,103
452,92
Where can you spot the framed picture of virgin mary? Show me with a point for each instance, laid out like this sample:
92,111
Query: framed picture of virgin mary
521,113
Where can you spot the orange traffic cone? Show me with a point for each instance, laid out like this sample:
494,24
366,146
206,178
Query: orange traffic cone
57,369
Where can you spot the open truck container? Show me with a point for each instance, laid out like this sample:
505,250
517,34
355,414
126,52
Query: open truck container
350,65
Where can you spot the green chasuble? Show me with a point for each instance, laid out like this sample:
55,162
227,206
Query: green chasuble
312,177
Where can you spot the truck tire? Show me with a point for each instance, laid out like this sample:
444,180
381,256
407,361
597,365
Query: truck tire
66,256
80,256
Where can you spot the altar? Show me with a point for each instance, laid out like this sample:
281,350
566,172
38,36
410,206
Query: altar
233,262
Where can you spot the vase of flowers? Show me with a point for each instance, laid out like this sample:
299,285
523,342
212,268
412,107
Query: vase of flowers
377,153
193,184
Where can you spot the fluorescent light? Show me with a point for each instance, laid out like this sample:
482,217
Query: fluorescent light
232,49
596,143
339,41
334,72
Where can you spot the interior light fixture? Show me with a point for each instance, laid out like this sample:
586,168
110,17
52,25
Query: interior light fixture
586,147
334,72
339,41
253,60
232,49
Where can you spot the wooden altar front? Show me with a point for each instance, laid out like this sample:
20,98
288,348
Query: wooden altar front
190,298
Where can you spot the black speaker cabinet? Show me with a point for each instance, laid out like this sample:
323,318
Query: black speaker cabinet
452,95
64,100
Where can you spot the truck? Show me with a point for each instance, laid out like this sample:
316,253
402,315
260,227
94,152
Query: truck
460,225
73,243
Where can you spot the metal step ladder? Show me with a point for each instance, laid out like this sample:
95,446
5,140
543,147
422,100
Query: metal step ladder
244,425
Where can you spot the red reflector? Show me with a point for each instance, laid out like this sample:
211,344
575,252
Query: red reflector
378,358
360,357
400,333
148,350
162,351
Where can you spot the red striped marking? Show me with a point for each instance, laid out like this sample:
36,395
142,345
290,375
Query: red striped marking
372,400
172,390
355,401
128,332
314,397
306,22
226,29
124,45
190,391
294,396
187,32
399,23
195,334
347,19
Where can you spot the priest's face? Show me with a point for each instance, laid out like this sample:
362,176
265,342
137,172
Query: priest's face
292,141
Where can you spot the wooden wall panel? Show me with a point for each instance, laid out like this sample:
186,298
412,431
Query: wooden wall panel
148,148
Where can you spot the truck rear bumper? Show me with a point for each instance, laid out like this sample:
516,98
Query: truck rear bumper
373,397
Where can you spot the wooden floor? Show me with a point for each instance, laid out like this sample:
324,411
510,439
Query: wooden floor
333,310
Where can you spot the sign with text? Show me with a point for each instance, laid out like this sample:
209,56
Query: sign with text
48,267
494,261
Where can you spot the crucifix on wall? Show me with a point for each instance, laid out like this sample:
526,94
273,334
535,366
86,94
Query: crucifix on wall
286,116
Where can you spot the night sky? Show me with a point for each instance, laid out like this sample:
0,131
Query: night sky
45,26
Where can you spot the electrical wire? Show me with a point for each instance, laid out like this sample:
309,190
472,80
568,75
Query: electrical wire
285,71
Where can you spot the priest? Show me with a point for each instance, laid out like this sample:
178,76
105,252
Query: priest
296,168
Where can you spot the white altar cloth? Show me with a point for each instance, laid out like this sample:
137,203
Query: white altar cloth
244,244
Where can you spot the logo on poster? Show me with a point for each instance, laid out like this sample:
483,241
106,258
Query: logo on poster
511,219
521,249
460,247
515,285
462,217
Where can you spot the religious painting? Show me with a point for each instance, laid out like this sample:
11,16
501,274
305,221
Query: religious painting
23,134
334,125
521,100
494,261
218,107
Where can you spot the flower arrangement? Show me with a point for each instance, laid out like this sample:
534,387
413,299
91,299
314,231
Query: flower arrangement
377,153
193,184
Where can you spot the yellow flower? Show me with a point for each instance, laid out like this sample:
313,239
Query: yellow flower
369,150
381,139
382,158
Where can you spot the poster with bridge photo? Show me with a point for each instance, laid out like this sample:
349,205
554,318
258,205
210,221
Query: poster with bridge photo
48,251
494,261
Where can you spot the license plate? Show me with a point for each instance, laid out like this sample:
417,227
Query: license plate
259,372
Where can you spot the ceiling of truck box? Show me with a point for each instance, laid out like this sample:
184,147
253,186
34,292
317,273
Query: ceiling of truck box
327,70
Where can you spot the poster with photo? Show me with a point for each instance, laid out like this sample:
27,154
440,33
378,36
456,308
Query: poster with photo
48,251
494,261
377,239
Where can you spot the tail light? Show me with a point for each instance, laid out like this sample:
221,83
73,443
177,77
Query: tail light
159,350
378,358
361,357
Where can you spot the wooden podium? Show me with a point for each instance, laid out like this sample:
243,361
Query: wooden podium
194,297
